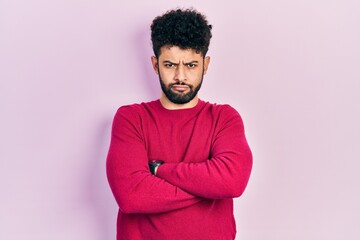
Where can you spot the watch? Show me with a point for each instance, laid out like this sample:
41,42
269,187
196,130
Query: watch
153,164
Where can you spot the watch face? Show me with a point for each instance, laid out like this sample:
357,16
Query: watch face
153,164
156,162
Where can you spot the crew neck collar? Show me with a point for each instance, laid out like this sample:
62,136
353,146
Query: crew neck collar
198,105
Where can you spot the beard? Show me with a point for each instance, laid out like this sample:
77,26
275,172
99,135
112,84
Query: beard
180,98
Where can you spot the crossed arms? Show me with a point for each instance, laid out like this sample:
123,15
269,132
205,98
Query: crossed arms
176,185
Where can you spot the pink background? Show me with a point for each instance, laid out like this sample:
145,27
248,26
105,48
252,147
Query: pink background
291,68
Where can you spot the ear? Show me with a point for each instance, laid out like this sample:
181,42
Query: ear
155,64
206,63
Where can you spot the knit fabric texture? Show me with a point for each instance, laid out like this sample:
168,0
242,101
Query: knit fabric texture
207,163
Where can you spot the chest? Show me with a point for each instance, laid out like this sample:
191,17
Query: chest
188,140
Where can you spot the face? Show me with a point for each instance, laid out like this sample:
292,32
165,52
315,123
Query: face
180,72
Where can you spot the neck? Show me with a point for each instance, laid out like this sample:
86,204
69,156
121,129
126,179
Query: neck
166,103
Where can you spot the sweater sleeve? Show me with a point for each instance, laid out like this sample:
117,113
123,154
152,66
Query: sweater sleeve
135,189
226,173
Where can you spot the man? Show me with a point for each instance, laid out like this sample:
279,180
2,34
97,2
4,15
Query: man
175,164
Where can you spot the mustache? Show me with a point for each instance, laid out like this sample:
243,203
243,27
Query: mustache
180,83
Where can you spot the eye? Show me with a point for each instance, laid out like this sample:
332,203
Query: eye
169,65
191,65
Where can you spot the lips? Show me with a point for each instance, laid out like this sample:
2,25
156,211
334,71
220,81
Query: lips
180,87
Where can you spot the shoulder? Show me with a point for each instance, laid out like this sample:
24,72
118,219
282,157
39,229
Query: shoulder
130,117
136,110
222,110
224,115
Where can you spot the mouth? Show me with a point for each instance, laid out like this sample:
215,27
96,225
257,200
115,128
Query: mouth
180,87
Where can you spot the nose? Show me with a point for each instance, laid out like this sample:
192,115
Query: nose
180,73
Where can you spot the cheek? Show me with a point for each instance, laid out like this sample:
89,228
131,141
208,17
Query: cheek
166,75
197,75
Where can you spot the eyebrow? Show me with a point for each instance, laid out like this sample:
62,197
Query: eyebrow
187,63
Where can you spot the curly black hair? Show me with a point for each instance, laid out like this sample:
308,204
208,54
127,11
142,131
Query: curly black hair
187,29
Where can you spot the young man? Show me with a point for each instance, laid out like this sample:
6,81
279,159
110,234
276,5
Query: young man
175,164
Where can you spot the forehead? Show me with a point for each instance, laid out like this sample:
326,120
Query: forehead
175,53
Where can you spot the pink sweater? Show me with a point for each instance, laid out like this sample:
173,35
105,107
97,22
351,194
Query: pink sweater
207,164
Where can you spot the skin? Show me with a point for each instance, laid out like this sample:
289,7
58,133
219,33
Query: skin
175,66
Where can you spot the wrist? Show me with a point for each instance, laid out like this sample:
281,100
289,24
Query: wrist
155,169
154,165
